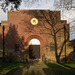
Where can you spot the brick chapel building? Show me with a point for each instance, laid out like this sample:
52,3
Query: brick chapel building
25,25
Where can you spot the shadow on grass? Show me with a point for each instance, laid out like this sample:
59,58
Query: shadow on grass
13,71
6,68
15,68
66,65
58,69
30,63
33,73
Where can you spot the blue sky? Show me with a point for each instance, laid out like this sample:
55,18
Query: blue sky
43,4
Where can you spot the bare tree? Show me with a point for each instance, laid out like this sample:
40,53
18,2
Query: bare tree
67,4
56,28
70,6
15,4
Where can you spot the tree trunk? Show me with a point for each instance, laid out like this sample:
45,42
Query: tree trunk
56,53
58,59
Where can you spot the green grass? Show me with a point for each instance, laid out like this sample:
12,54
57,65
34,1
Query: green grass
7,67
61,64
53,69
62,69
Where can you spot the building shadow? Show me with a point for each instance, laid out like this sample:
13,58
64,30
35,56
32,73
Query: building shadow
1,42
1,48
12,38
14,45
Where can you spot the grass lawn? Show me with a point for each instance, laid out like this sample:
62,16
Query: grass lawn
62,69
53,69
8,67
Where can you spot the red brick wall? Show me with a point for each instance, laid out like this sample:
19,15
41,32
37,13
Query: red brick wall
21,31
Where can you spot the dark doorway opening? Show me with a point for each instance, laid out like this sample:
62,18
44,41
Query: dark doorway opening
34,51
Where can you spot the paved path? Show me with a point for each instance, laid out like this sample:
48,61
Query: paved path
36,68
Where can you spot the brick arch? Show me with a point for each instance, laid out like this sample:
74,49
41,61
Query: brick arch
40,38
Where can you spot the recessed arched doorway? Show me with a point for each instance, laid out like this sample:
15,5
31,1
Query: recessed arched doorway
38,37
34,49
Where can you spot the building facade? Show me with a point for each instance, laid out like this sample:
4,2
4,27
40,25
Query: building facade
73,44
24,25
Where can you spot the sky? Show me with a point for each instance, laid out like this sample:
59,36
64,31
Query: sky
34,42
43,4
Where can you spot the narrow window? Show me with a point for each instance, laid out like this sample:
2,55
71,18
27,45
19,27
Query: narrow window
51,47
16,47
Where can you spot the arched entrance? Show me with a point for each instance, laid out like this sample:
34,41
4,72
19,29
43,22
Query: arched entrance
34,49
40,38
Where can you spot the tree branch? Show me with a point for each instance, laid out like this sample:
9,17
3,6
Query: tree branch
59,29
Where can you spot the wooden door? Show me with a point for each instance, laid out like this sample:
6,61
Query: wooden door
34,51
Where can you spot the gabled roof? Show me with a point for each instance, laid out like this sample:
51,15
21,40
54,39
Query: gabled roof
72,41
4,22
